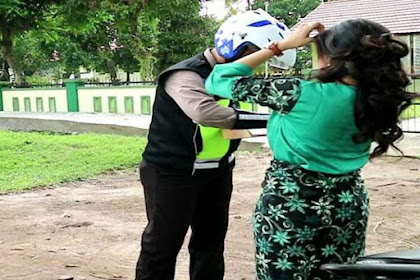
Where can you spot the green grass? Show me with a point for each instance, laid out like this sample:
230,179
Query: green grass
31,160
411,112
414,110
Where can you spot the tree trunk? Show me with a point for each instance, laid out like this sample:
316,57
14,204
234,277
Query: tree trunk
7,47
128,77
112,71
4,71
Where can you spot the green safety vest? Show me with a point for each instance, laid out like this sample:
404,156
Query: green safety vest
215,146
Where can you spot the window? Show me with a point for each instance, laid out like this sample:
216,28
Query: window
97,104
129,104
52,105
416,54
39,105
27,104
112,104
15,104
145,105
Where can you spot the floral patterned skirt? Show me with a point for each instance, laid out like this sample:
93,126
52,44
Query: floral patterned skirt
304,219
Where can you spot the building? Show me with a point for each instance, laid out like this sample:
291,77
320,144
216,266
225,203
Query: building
402,17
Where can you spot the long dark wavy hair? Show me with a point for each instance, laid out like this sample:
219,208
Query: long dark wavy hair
367,52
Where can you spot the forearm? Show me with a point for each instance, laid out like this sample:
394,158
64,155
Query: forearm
186,88
187,91
210,113
298,38
233,80
257,58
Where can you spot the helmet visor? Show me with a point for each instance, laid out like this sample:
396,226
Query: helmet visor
287,60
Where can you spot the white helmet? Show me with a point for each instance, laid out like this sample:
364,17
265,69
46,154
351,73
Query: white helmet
253,28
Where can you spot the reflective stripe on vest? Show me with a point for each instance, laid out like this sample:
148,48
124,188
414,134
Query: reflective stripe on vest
215,146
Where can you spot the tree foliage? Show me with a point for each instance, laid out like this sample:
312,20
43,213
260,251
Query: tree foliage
60,37
17,16
183,32
290,12
64,40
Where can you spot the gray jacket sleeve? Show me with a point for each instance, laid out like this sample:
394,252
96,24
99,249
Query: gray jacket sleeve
186,88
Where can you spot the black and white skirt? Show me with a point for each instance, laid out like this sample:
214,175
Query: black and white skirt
304,219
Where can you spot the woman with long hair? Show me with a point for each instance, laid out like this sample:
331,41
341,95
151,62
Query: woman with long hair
314,207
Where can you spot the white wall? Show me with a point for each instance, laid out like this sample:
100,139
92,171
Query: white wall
60,96
86,97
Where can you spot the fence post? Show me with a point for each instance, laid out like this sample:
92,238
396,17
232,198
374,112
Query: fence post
2,85
314,54
72,86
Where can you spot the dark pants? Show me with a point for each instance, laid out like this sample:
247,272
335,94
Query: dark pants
174,202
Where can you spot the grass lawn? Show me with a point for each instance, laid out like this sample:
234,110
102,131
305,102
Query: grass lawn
412,112
36,159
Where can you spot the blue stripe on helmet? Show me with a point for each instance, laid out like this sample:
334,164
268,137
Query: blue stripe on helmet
281,26
260,23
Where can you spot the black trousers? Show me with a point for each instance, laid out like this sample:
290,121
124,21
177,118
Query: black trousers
174,202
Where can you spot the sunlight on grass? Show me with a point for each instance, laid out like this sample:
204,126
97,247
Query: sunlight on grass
36,159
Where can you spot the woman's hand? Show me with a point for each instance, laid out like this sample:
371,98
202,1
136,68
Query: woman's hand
300,37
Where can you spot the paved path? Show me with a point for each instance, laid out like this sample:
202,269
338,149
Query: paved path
411,124
76,122
129,124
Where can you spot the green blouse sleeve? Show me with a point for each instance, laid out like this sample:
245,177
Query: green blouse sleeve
234,81
280,94
224,76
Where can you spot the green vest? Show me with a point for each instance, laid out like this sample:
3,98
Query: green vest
215,146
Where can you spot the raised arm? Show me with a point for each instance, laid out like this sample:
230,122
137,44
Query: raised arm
298,38
234,81
279,94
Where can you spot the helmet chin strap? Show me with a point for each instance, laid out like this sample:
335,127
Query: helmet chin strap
248,51
244,52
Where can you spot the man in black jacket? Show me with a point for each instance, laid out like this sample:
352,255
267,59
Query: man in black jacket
187,180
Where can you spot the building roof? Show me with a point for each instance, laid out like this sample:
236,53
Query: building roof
400,16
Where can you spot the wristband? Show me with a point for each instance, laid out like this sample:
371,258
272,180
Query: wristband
272,46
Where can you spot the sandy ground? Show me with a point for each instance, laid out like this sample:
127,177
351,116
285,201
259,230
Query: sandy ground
92,229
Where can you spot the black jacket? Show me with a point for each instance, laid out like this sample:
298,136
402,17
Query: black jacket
174,139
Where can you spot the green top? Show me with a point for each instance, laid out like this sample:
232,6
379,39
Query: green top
312,123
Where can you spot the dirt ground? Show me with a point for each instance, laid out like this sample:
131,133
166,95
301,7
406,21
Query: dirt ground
92,229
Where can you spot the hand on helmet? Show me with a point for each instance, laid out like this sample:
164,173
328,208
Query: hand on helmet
300,37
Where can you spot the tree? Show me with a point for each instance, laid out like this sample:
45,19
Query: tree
104,35
183,31
126,61
17,16
95,34
82,32
72,34
135,28
157,34
4,69
290,12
